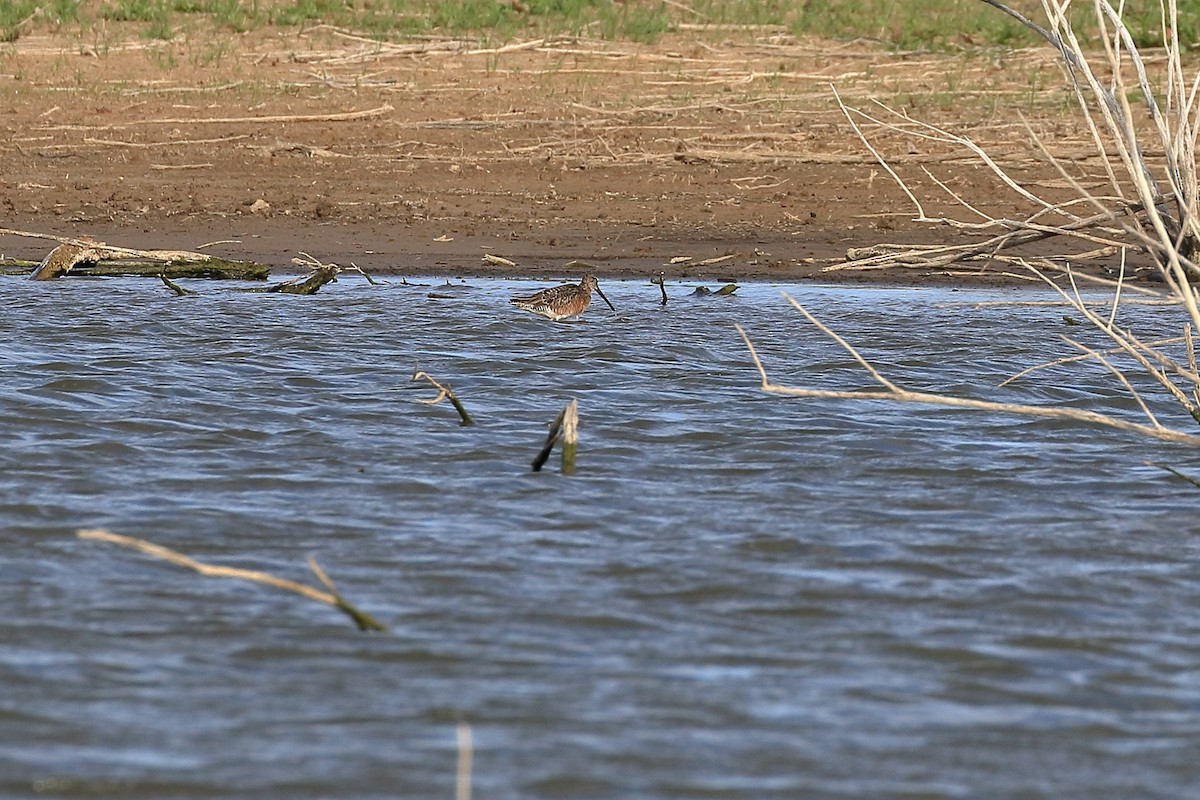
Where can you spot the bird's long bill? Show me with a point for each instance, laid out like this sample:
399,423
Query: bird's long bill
605,299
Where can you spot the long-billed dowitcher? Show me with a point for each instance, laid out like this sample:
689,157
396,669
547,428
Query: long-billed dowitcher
562,302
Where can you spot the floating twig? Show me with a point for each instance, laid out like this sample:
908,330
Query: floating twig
365,274
363,620
444,393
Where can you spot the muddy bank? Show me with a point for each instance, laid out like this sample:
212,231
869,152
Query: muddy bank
718,158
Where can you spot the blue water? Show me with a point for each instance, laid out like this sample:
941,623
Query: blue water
736,595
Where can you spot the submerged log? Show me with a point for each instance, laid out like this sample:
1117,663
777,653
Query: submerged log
319,275
216,269
307,285
724,291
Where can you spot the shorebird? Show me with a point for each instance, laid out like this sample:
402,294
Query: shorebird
562,302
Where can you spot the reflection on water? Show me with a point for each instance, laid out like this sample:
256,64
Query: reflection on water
736,596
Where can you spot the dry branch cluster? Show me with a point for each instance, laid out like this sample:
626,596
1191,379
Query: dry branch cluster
1148,208
1146,152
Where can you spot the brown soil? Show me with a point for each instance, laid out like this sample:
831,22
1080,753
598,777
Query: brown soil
421,158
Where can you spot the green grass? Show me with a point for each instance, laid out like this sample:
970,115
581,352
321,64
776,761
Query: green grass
900,24
44,13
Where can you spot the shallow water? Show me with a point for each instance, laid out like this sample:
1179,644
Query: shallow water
737,595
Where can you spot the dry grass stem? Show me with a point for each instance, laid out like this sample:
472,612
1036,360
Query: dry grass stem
347,116
169,143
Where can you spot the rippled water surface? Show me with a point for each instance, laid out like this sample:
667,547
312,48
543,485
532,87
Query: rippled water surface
737,595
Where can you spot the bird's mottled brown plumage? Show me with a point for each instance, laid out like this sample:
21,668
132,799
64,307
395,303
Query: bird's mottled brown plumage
562,302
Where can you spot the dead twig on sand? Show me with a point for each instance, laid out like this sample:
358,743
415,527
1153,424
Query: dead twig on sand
348,116
331,597
111,251
1151,178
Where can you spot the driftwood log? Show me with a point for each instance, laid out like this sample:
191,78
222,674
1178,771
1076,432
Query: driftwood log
91,257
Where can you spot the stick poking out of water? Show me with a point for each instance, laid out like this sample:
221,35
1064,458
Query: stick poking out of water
363,620
1193,481
570,436
543,455
444,393
661,281
462,783
566,426
174,287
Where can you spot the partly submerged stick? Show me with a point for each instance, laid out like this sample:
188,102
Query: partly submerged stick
551,439
462,782
363,620
661,281
174,287
444,393
1175,472
570,435
319,275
